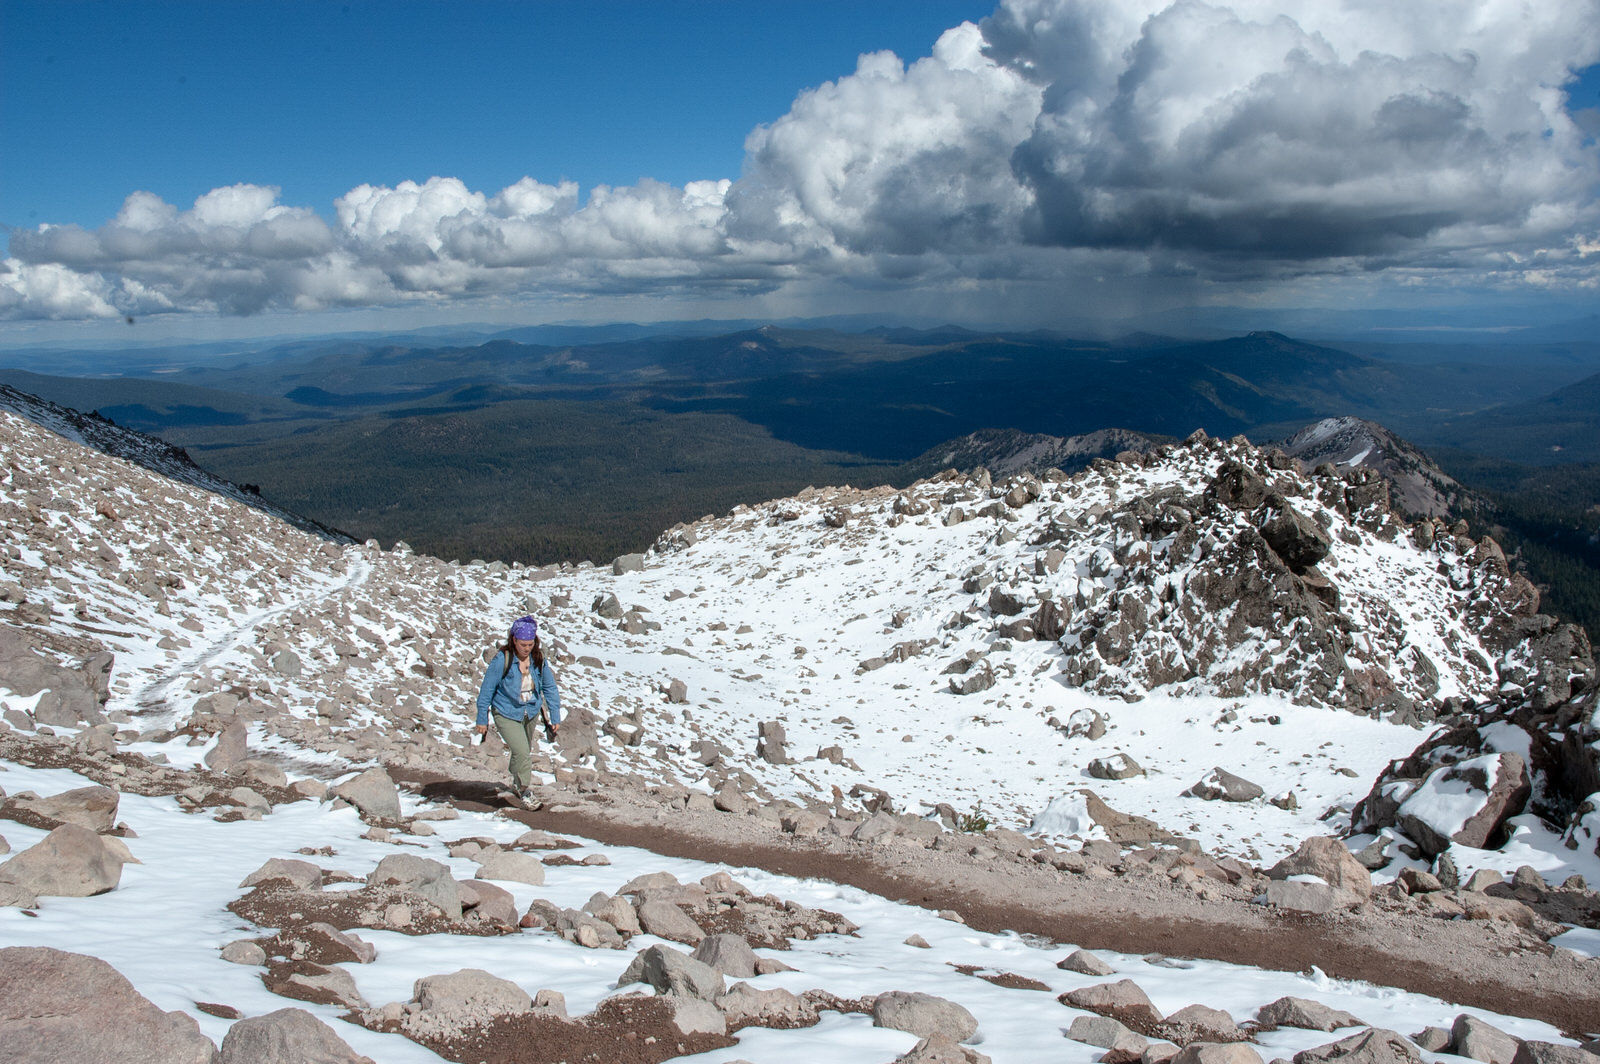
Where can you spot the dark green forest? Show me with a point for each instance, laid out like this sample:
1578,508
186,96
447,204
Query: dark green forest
535,482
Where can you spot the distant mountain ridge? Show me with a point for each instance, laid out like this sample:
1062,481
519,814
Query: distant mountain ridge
1419,488
1004,452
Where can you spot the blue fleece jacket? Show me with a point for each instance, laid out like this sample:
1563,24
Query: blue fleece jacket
503,693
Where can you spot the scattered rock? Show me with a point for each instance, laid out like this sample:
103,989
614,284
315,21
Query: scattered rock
298,874
94,808
1217,1053
1107,1033
244,952
427,879
470,993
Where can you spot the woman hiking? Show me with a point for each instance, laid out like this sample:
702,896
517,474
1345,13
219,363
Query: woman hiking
521,690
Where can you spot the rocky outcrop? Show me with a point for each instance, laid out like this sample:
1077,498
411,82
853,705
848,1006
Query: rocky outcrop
1463,785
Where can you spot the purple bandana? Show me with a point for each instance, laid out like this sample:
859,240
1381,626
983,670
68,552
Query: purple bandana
524,628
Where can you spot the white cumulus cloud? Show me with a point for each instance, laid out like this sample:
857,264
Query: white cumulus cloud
1141,142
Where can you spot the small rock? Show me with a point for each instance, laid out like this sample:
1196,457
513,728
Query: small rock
244,952
1220,784
1085,963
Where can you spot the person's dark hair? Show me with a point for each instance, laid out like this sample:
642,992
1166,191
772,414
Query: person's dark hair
536,655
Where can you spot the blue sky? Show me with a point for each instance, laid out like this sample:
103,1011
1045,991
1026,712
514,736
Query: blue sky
288,164
178,98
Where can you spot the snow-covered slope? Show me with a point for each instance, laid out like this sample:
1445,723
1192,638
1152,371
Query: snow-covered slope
145,450
852,619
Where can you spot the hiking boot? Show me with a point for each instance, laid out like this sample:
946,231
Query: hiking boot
529,802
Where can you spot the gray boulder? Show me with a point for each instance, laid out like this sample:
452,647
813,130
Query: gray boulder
1295,538
373,793
744,1005
1532,1052
923,1015
693,1016
513,867
1118,766
1221,785
942,1049
1375,1045
1107,1033
45,994
302,875
672,972
729,954
1200,1023
232,747
1085,963
1123,1000
288,1036
70,862
665,920
1301,1012
427,879
1313,897
92,807
470,991
1473,1038
1217,1053
1327,859
627,563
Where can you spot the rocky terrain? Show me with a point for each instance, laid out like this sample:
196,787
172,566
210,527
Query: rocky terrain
1215,717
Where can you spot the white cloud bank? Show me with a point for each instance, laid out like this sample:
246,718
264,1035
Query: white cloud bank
1243,142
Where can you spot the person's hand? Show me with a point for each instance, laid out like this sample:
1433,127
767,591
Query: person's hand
483,729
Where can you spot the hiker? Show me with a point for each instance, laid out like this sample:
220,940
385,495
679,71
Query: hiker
521,689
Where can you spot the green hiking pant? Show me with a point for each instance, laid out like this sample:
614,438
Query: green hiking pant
520,737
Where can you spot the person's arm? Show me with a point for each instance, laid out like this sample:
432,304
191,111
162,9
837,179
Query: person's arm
486,693
552,697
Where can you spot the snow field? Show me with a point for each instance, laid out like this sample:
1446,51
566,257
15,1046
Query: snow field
164,925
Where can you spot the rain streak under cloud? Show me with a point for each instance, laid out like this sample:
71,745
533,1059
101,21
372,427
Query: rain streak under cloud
1236,145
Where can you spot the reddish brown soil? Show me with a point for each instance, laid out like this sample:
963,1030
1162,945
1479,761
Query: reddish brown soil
1462,964
1009,980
